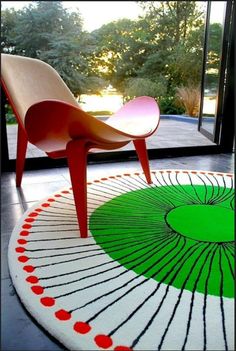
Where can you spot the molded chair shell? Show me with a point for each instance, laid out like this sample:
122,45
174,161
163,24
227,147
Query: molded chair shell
50,118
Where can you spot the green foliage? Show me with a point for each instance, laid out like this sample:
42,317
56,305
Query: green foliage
164,44
153,55
144,86
170,106
45,30
10,117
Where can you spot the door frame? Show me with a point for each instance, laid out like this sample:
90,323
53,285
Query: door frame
226,51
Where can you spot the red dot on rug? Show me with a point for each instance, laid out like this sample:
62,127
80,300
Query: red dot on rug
63,315
65,192
51,200
29,269
27,226
24,233
47,301
37,289
20,249
23,259
32,279
82,327
57,195
22,241
38,209
45,205
30,220
103,341
122,348
33,214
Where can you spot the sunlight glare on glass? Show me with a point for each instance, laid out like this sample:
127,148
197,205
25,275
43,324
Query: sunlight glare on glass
108,101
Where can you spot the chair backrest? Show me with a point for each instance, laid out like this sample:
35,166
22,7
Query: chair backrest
28,81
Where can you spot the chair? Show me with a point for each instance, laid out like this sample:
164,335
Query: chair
50,118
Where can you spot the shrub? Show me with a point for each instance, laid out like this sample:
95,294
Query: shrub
10,117
189,97
169,106
144,86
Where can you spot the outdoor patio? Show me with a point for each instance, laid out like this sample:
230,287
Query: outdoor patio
170,133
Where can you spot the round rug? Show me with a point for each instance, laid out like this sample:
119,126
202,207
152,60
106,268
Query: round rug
155,273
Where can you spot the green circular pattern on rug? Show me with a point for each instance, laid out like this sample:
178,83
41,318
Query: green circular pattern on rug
203,222
174,234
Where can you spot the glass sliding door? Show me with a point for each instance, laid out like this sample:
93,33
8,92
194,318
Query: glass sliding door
213,70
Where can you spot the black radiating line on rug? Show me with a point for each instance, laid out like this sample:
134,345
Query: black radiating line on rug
75,259
193,294
230,193
215,198
139,195
193,187
205,187
152,252
232,204
144,301
230,247
153,232
134,287
118,247
86,245
212,200
182,259
92,285
180,295
121,286
176,194
92,244
225,248
119,265
45,214
151,195
100,265
109,269
194,199
221,298
205,302
190,197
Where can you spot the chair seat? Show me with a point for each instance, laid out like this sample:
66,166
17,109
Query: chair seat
50,118
51,124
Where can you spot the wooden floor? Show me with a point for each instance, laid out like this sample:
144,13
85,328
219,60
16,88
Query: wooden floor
19,330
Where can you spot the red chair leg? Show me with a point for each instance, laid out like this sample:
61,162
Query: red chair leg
22,142
141,150
77,162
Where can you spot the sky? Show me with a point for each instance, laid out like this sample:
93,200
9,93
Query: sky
94,13
97,13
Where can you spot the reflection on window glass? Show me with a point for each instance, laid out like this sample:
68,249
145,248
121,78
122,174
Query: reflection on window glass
213,60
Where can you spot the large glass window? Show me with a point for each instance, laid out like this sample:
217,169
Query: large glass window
131,49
